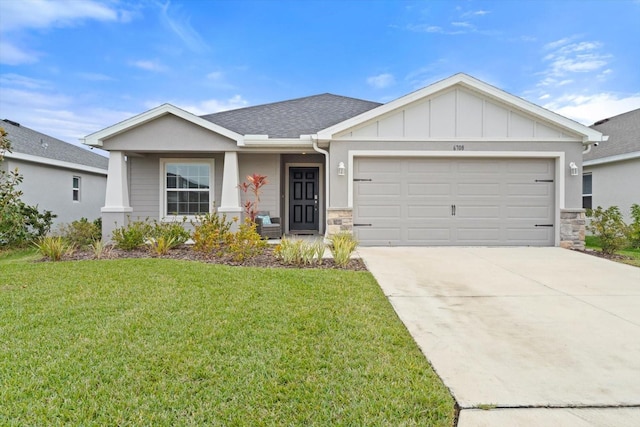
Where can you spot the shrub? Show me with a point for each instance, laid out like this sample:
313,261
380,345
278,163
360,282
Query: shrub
342,247
244,243
161,245
54,248
99,249
173,232
299,252
210,233
81,233
608,226
633,233
132,236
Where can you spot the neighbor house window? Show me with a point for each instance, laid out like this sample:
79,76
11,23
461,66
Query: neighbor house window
188,187
76,189
587,185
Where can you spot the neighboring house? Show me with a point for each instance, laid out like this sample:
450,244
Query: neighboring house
459,162
611,170
65,179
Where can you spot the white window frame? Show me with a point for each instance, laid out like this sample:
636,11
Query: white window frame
75,190
587,194
164,215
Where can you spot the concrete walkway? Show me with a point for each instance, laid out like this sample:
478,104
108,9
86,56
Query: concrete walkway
543,336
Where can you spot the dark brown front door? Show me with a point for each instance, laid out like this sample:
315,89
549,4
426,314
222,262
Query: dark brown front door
303,199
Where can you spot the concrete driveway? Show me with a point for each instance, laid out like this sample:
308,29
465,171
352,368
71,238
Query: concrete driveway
547,336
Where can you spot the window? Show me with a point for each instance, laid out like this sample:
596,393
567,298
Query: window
76,189
187,187
587,186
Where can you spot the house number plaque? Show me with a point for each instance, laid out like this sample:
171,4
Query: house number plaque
458,147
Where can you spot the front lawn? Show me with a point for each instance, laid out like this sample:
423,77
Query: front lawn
629,256
167,342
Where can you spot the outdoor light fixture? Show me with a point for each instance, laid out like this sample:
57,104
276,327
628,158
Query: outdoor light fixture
341,169
574,169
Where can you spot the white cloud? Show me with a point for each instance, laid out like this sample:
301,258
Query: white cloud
13,55
45,13
381,81
180,25
11,79
148,65
588,109
200,108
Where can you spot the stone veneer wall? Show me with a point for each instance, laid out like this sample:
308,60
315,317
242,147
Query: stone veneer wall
339,219
572,228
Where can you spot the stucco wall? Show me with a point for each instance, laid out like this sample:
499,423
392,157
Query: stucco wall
616,184
51,189
263,164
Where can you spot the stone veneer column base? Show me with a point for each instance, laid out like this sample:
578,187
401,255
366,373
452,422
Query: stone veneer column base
339,219
572,228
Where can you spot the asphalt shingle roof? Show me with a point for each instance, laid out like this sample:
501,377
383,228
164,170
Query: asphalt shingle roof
290,119
624,135
28,141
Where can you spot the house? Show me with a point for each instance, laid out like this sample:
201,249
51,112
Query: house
459,162
65,179
611,170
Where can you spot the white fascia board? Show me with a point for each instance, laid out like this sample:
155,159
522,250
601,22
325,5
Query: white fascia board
457,140
304,141
611,159
588,135
96,138
57,163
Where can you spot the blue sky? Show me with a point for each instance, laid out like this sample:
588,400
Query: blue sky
70,68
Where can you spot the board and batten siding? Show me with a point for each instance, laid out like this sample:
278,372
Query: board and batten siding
455,113
263,164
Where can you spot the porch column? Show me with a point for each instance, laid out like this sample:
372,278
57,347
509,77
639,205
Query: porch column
116,207
230,198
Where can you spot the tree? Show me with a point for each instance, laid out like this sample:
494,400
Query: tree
19,222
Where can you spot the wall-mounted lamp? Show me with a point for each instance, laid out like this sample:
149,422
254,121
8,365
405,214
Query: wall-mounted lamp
341,169
573,168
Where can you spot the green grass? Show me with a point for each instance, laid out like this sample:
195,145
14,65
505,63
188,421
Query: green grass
592,242
165,342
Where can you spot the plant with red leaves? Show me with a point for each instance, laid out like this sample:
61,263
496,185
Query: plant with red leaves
253,184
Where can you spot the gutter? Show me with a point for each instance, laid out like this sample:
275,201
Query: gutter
314,140
605,138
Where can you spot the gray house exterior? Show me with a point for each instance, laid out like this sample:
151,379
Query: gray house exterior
611,170
459,162
60,177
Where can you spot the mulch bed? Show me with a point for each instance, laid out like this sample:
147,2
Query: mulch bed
266,260
600,254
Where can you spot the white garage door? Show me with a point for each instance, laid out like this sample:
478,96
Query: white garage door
442,201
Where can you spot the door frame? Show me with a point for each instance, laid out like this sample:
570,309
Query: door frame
557,156
321,201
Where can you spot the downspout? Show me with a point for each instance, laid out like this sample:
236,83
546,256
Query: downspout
314,140
605,138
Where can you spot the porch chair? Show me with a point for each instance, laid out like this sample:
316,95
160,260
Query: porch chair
267,227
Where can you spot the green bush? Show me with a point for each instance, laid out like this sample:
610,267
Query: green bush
99,249
342,246
245,243
210,231
633,233
173,232
161,245
81,233
299,252
54,248
608,226
132,236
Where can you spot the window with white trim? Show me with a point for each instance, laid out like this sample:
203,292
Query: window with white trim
76,189
587,191
187,187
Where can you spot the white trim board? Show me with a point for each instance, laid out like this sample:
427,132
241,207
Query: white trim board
57,163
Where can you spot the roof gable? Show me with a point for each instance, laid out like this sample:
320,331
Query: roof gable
96,139
455,110
292,118
34,145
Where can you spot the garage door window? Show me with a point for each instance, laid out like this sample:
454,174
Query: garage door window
587,184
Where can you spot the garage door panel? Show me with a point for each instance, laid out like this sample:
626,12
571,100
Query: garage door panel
497,201
427,189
